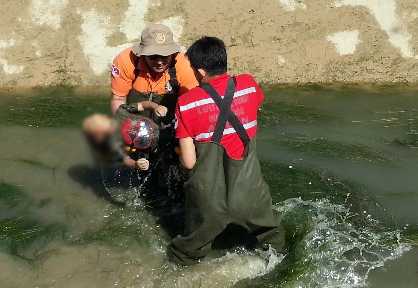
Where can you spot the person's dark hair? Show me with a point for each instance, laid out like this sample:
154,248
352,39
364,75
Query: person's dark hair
209,54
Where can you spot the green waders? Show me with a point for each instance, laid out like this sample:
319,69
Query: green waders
223,191
163,191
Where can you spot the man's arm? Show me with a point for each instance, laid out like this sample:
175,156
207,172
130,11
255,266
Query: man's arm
122,75
116,102
185,74
187,152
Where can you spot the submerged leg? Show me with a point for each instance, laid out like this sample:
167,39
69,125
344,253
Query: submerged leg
188,250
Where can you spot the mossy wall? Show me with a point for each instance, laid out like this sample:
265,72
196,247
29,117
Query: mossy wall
54,42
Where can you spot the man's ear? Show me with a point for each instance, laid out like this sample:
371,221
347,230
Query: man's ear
202,72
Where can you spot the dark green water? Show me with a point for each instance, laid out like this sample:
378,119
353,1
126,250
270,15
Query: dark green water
341,163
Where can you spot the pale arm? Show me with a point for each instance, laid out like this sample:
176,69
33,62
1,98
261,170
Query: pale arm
116,102
144,105
187,152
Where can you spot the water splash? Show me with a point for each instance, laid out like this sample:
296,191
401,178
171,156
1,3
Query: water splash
125,185
330,250
225,271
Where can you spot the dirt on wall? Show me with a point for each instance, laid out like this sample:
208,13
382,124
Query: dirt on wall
45,42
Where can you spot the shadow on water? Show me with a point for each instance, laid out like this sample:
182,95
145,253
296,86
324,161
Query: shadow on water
340,162
127,188
90,177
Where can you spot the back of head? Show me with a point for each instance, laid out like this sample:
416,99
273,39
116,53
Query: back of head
209,54
98,127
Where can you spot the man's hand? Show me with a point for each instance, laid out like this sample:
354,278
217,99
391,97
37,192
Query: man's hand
142,164
128,161
140,107
161,111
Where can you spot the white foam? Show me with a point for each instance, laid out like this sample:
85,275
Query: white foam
48,12
96,28
9,68
38,51
280,60
176,24
385,14
339,253
7,43
134,20
345,41
292,5
225,271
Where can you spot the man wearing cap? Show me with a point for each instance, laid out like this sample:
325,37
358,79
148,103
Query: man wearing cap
146,80
151,74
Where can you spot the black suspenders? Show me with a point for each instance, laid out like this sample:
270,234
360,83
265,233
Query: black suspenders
225,113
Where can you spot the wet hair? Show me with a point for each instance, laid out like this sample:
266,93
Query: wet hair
209,54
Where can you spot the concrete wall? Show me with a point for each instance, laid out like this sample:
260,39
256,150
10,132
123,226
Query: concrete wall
48,42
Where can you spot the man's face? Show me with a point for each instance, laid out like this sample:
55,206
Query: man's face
158,63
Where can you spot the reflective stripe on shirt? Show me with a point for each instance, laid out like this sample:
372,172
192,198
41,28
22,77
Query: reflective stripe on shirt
227,131
206,101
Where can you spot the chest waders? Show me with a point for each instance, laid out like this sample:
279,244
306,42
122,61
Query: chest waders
166,181
223,191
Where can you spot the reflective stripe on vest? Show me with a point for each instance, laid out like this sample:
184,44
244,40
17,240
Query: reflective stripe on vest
204,136
206,101
225,114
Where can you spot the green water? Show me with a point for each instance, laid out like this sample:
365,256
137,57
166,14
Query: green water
341,163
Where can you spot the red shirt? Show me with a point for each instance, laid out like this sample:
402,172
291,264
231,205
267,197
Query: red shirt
197,114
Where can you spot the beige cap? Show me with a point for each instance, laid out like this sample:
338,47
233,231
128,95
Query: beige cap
156,39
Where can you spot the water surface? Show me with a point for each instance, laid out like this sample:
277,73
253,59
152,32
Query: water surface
341,163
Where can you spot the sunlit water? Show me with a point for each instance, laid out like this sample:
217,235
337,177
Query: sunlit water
341,163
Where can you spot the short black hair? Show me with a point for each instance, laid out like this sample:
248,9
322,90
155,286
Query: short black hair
209,54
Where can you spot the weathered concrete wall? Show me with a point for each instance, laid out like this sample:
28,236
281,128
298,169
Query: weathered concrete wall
48,42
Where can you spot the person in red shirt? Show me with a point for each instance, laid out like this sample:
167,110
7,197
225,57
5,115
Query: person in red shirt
216,124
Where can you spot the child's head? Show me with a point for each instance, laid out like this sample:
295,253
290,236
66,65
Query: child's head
208,56
98,127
